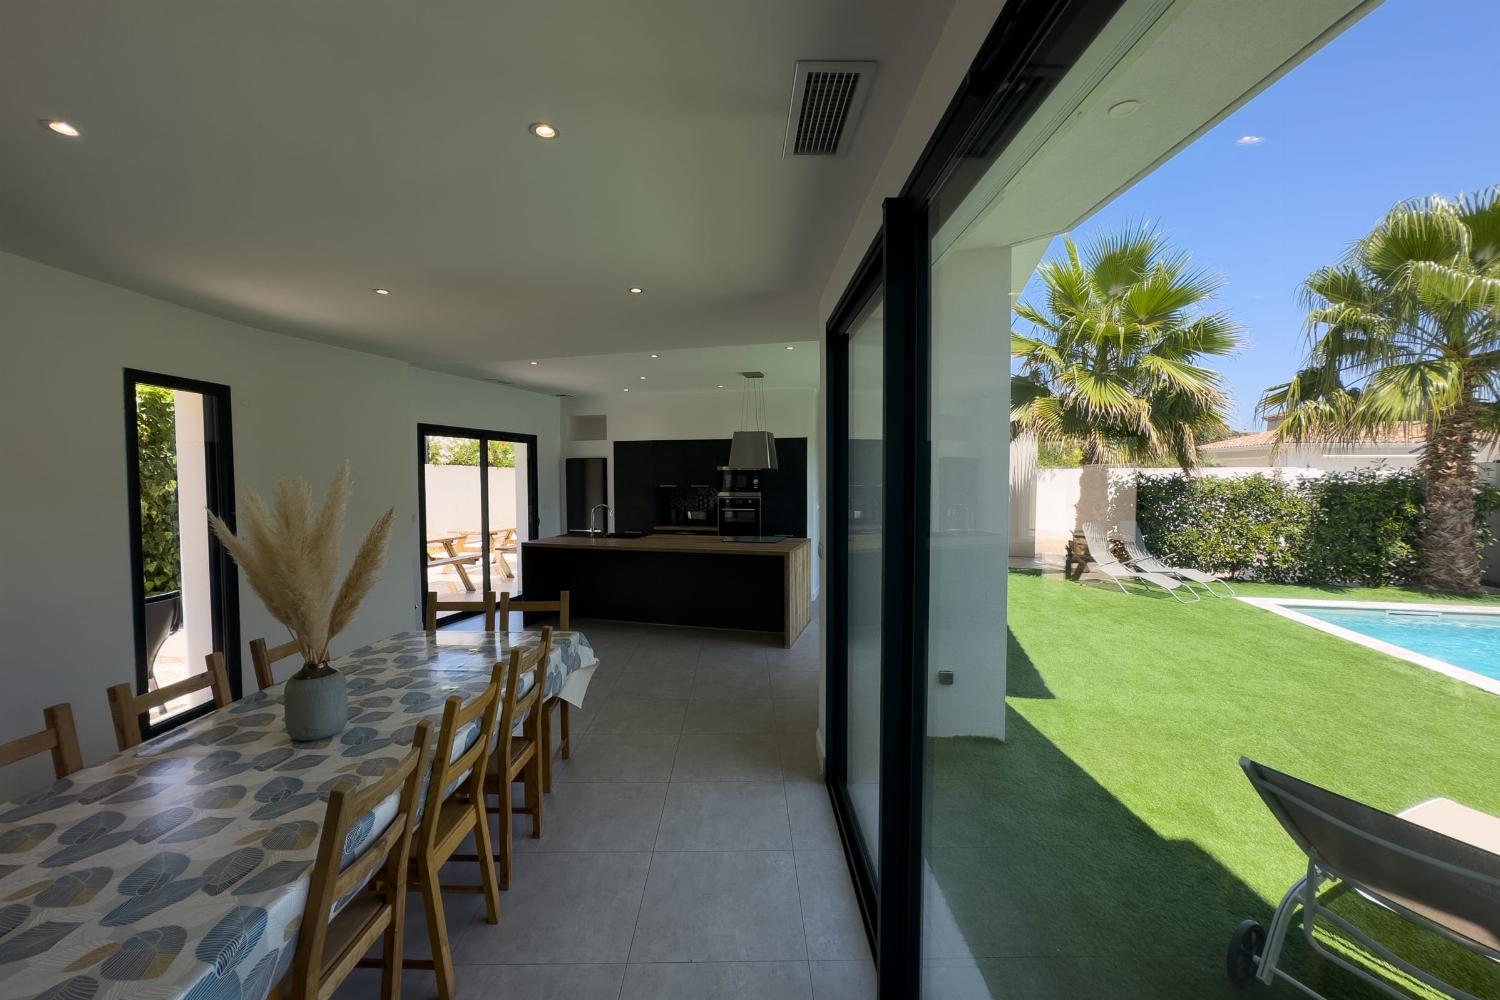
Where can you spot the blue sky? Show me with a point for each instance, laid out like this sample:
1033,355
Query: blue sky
1399,106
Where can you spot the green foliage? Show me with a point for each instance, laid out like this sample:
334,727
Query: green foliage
465,451
1346,528
1055,455
1111,360
156,429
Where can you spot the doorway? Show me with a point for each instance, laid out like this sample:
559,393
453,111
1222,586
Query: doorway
179,469
477,497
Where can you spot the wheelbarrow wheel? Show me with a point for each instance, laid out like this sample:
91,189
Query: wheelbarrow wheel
1244,953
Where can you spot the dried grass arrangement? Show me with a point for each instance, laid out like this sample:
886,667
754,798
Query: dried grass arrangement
289,554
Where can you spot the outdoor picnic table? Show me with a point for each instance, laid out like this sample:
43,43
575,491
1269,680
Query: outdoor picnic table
455,558
180,868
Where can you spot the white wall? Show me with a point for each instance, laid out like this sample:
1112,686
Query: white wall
452,497
652,416
298,407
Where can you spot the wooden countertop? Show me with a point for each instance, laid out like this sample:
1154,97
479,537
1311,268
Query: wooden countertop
671,543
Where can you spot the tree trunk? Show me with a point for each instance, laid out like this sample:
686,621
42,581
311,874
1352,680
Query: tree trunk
1448,556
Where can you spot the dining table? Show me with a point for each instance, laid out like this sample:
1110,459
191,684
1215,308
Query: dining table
178,870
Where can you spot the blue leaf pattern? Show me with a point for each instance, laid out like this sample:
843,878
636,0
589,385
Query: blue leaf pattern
232,938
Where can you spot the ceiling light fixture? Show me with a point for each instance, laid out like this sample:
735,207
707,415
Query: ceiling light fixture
624,390
721,387
643,378
1124,109
656,355
536,362
1250,140
636,291
60,127
381,291
542,130
790,347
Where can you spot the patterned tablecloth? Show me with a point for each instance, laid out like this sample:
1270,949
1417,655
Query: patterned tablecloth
180,869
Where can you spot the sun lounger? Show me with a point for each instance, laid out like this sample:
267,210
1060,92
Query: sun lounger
1142,559
1103,565
1434,864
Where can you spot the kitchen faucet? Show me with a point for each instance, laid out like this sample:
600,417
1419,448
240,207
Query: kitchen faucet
592,532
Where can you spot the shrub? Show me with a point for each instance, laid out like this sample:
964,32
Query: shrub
1345,528
156,429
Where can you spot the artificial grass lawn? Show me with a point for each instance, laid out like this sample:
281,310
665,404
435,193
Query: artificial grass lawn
1109,846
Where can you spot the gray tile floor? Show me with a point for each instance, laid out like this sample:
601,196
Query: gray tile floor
689,849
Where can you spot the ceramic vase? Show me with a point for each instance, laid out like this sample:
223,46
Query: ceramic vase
316,701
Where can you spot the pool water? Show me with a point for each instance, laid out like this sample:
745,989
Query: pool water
1471,641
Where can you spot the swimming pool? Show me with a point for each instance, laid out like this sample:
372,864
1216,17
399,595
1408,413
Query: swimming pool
1460,641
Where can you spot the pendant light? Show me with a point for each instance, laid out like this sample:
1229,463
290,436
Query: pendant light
753,447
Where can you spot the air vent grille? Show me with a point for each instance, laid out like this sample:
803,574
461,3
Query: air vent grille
827,98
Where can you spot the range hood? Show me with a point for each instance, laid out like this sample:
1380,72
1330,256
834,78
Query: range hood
753,449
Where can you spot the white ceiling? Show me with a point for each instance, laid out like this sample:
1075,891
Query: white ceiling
700,369
273,161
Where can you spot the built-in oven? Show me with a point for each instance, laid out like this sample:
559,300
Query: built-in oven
739,513
738,480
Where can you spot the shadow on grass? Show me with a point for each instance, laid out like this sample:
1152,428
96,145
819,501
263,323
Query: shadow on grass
1058,891
1021,677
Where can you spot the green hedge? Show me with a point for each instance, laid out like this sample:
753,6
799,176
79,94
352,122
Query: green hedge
156,427
1345,528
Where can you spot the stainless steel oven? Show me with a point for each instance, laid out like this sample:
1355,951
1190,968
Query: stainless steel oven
739,513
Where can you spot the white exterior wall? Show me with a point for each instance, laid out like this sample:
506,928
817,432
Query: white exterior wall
298,407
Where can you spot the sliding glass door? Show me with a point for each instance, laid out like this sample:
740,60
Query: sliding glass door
918,371
478,499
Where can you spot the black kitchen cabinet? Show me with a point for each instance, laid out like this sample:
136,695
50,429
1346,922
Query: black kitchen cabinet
669,463
784,490
587,485
635,486
702,458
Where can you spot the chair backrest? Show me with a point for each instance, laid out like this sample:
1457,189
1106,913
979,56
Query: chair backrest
433,606
264,656
1418,870
331,881
514,706
1130,538
1098,541
485,707
559,606
127,707
58,735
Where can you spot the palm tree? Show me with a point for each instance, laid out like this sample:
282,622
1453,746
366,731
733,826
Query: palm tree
1112,366
1407,330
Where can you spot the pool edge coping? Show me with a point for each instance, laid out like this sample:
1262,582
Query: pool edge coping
1286,608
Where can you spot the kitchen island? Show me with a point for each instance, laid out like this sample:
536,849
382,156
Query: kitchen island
707,582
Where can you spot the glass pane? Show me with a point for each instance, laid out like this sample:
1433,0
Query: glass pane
967,566
453,532
866,481
509,514
178,587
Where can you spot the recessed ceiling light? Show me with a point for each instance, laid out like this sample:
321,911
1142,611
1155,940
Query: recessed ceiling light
1250,140
636,291
542,130
624,390
721,387
1124,109
536,362
656,355
643,378
60,127
790,347
381,291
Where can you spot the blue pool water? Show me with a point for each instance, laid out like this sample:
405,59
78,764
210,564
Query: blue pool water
1471,641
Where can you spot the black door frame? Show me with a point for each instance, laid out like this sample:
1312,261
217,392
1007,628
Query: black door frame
224,590
1030,48
533,515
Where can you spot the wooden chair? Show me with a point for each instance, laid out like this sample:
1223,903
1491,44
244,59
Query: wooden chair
564,623
517,758
57,735
448,821
264,656
127,707
433,606
328,950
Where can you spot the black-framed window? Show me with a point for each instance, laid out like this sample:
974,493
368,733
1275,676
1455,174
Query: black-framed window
179,461
477,503
1030,48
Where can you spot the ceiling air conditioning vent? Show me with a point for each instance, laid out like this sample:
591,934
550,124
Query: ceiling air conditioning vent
826,101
